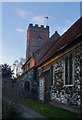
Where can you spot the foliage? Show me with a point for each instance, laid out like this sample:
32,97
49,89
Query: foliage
8,112
6,71
50,111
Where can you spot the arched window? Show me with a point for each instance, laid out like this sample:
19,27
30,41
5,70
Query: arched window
68,70
27,86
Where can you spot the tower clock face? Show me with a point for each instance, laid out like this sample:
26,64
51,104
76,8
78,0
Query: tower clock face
39,39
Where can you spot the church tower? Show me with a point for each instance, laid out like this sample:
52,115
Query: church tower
36,36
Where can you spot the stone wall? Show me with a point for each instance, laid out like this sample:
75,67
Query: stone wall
24,85
81,85
67,94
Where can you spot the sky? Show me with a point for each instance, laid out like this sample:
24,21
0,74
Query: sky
16,17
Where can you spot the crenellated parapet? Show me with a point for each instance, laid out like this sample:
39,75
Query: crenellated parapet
37,27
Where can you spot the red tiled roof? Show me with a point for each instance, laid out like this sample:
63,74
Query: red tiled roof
64,40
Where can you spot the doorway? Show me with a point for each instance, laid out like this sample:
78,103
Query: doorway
41,89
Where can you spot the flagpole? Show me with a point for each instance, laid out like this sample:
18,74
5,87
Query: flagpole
47,19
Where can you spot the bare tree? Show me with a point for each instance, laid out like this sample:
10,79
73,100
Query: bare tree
17,65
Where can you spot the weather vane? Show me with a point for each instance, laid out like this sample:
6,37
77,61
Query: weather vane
47,19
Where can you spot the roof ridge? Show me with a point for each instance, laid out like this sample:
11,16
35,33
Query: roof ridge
67,37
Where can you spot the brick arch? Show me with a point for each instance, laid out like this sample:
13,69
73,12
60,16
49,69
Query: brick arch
27,86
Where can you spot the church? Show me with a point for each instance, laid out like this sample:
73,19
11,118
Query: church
53,68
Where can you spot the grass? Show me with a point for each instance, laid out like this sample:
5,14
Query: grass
8,112
50,111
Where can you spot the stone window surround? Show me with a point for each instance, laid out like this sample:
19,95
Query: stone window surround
68,69
41,79
39,39
63,58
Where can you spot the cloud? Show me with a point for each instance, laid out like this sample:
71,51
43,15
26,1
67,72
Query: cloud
68,24
62,30
22,13
20,30
38,19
